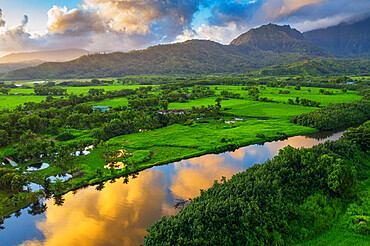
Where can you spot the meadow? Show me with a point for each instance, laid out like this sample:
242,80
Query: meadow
312,93
241,122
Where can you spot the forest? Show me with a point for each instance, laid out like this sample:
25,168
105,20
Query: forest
149,121
286,200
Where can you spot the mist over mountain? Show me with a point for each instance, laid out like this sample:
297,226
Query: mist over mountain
344,40
44,56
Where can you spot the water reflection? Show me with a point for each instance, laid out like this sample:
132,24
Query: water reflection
118,212
118,215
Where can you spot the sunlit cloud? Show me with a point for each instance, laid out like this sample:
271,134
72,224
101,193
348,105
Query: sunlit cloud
74,21
199,173
2,22
117,216
123,25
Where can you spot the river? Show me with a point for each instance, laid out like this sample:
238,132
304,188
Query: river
119,212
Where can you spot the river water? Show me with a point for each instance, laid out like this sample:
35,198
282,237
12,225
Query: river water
119,212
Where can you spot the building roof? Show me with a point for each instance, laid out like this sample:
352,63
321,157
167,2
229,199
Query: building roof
101,107
173,111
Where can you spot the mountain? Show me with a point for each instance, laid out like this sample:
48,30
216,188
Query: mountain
279,39
50,55
194,56
7,67
345,39
267,46
319,67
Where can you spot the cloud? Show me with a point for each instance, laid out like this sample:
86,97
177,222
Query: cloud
118,215
122,25
107,25
2,22
73,22
16,38
304,15
146,17
221,34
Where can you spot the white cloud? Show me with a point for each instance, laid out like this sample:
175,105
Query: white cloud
74,21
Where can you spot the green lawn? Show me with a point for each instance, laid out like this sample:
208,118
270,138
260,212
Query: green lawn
337,97
115,102
248,108
12,101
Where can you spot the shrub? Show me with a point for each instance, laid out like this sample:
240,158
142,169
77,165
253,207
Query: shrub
65,136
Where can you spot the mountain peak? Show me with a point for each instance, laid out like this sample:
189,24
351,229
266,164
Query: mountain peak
345,39
279,39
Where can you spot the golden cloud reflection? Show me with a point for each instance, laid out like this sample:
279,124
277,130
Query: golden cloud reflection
238,154
199,175
118,215
296,142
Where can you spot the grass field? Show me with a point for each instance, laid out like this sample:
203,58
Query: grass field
12,101
176,142
272,92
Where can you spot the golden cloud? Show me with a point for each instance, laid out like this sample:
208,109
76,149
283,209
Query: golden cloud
74,21
118,215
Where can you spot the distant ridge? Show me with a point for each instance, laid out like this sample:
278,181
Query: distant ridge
345,40
44,56
193,56
267,46
279,39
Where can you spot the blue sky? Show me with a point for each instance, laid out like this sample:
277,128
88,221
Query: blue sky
123,25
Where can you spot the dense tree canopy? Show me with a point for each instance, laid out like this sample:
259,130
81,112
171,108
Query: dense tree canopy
282,201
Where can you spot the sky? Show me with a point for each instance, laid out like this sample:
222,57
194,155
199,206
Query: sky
124,25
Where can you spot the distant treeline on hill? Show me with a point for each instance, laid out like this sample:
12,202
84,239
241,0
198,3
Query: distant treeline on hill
335,116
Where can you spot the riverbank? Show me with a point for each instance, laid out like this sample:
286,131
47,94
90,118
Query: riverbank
133,203
167,145
178,142
292,198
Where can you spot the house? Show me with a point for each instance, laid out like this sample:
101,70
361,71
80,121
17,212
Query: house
173,111
101,108
350,82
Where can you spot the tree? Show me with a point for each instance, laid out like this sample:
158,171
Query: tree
163,104
5,91
218,100
4,138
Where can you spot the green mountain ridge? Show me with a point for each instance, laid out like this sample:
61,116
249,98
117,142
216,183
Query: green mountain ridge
344,40
317,67
279,39
269,47
194,56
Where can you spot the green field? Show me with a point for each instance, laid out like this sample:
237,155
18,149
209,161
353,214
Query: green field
256,122
12,101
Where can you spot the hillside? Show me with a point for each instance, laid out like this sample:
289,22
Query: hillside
270,47
318,67
50,55
194,56
345,39
7,67
279,39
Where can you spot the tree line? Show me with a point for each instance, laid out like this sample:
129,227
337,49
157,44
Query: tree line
286,200
335,116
